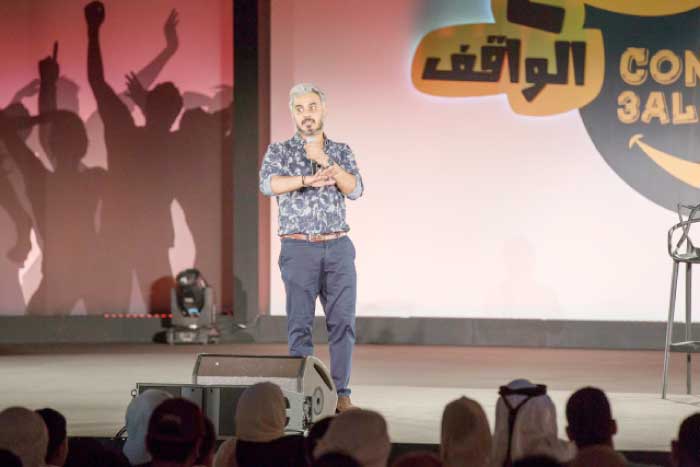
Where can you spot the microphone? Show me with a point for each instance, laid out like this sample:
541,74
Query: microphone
314,165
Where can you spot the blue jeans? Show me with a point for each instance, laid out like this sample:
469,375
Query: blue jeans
324,270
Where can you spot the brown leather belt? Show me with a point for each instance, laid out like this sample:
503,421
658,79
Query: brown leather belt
315,237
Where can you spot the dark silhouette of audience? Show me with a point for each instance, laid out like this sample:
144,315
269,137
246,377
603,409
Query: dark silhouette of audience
88,452
685,450
57,451
536,461
418,459
591,427
178,434
9,459
335,459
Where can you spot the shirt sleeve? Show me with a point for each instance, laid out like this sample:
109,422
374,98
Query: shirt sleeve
347,162
271,165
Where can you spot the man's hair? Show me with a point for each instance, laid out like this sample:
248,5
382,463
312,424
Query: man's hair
589,417
305,88
56,425
175,430
689,438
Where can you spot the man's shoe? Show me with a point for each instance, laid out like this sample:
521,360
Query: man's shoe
344,404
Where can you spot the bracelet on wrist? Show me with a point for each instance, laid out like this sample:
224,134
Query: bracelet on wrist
303,184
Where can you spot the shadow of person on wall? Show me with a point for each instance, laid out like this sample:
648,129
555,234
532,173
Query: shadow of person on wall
198,184
137,226
64,201
15,221
68,97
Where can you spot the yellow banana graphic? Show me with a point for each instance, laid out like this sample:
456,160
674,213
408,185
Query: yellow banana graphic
685,171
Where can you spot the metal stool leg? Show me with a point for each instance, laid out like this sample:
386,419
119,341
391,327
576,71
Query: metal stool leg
669,327
688,323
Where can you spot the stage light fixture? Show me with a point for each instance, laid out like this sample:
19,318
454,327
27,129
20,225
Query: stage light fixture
193,310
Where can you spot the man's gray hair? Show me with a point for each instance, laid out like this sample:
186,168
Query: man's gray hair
305,88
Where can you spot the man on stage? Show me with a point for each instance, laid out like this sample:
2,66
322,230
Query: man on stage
311,176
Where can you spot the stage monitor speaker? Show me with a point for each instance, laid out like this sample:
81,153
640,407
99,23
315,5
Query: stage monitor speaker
307,376
219,404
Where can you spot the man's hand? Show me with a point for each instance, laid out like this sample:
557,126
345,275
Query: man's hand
314,151
135,90
320,179
94,15
170,30
48,67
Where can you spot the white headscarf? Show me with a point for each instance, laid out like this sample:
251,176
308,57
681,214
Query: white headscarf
360,434
138,413
226,455
24,432
465,438
260,418
261,413
534,432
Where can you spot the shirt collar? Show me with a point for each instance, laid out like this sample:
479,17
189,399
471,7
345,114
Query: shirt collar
297,140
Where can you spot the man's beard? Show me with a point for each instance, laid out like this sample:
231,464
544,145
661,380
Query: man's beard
302,128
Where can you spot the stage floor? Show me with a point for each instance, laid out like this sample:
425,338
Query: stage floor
410,385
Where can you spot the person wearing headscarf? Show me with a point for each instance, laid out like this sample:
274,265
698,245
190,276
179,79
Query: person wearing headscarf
465,438
23,432
138,413
534,429
260,441
359,433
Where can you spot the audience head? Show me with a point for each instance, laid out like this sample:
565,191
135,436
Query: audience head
685,451
534,428
163,105
418,459
9,459
599,455
84,452
67,138
175,432
207,450
58,440
23,432
334,459
316,432
359,433
260,413
138,413
536,461
465,437
88,452
589,418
